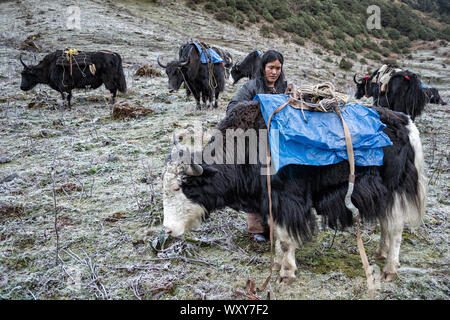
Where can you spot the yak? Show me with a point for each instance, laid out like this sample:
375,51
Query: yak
103,67
403,92
247,68
203,80
433,96
393,193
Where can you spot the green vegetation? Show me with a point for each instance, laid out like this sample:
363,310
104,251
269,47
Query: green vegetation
340,26
346,65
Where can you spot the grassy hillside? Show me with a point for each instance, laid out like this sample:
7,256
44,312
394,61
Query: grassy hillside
339,26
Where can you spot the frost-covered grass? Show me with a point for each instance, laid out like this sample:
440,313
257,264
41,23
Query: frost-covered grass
80,192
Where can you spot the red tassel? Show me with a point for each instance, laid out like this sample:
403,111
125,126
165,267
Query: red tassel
366,77
407,77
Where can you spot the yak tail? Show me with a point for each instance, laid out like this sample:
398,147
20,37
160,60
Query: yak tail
415,98
122,82
416,209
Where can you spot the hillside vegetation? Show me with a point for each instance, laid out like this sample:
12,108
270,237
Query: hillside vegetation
339,26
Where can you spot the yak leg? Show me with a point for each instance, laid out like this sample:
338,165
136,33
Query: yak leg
113,96
210,97
69,97
278,260
197,99
285,252
383,247
192,87
66,101
394,223
204,99
216,103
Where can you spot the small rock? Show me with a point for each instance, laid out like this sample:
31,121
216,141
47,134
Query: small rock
4,160
9,178
112,158
44,133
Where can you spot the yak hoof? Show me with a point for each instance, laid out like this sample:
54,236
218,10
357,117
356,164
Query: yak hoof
285,280
380,256
389,276
276,266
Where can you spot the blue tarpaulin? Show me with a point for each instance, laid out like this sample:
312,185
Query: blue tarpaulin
208,54
321,140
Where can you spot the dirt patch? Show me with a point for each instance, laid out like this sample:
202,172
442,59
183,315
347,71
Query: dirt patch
123,110
10,209
147,71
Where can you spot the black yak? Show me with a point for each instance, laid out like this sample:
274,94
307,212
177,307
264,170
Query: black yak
433,96
247,68
102,67
393,193
205,80
402,93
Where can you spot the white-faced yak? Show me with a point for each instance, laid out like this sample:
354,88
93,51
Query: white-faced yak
393,193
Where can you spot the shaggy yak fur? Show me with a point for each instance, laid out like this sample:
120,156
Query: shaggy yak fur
247,68
434,96
108,71
403,93
393,193
196,76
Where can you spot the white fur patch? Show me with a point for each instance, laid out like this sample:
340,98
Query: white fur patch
180,213
414,211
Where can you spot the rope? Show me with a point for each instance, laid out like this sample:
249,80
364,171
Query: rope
329,100
212,81
69,53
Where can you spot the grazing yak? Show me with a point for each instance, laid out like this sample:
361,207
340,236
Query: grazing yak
88,70
433,95
393,193
247,68
402,91
205,80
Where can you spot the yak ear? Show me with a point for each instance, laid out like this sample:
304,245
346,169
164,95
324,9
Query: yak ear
197,170
209,171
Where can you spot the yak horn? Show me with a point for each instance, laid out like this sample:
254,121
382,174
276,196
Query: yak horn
159,62
194,170
354,79
20,58
184,63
